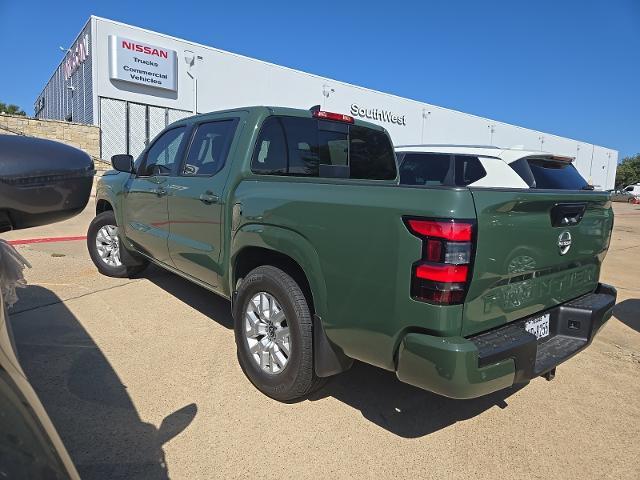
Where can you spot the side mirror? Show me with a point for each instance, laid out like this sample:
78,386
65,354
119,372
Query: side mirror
122,163
41,181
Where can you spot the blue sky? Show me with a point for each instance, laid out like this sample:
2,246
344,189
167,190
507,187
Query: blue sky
568,67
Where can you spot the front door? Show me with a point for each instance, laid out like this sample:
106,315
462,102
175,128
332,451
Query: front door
146,220
196,202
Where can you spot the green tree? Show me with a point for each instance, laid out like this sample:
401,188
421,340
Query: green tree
11,109
628,171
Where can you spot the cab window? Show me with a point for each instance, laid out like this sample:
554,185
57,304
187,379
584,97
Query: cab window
163,154
270,156
209,148
317,148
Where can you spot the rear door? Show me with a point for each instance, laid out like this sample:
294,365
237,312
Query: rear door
535,249
196,201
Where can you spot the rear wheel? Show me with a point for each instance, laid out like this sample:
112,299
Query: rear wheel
273,333
105,249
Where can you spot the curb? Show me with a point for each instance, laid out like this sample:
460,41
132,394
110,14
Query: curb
29,241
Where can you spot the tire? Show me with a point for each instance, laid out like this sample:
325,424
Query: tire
296,378
117,264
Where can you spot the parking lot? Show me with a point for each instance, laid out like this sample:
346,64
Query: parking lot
140,377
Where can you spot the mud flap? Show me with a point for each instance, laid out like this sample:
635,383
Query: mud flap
328,359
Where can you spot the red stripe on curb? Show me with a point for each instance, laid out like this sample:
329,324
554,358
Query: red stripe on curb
46,240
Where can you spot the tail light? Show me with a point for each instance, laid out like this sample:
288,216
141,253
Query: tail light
339,117
442,275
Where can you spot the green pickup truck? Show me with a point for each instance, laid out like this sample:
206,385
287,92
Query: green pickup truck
297,217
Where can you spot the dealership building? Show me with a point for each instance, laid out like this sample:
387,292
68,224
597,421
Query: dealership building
133,82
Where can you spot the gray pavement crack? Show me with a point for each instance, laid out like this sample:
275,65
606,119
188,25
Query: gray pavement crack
63,300
56,345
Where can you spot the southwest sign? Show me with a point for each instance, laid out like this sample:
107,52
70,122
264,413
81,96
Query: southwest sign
137,62
377,114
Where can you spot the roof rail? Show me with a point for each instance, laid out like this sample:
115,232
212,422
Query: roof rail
449,145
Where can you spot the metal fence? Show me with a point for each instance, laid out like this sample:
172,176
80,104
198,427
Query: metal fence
128,127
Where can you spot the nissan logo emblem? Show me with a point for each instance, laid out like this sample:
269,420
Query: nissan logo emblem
564,242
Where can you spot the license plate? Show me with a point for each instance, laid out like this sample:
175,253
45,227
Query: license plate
538,326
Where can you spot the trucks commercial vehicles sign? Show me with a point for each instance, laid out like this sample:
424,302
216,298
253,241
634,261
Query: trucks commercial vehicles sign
141,63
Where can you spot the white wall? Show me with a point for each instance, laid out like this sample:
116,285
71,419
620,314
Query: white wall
226,80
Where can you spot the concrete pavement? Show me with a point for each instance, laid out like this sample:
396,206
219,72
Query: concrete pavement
140,378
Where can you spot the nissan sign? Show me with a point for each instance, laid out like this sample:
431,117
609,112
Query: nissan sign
141,63
76,56
377,114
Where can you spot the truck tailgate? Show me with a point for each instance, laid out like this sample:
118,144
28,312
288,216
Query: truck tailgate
535,250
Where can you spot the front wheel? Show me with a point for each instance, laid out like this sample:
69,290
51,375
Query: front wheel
105,249
273,333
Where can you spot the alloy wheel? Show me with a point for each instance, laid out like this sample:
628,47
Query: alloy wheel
108,245
267,333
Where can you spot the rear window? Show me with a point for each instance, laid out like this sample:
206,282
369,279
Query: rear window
434,169
468,170
425,169
318,148
549,174
371,154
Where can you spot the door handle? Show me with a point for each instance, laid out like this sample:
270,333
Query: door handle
161,192
209,198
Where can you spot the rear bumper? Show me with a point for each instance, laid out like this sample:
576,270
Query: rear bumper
459,367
